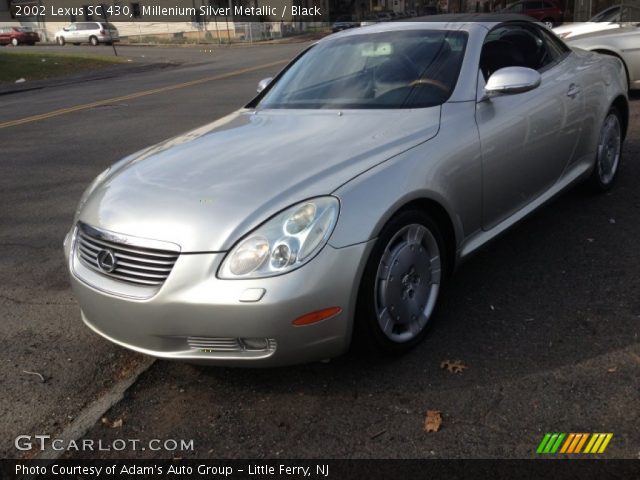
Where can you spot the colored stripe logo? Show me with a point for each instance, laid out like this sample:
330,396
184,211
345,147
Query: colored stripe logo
571,443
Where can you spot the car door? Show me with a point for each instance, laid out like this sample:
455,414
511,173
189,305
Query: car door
534,8
70,33
529,138
83,32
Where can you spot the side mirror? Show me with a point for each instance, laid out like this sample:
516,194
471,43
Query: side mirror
264,83
510,80
65,29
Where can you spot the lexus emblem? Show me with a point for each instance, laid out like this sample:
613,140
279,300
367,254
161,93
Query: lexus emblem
107,261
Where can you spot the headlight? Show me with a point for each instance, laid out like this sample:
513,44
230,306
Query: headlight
284,243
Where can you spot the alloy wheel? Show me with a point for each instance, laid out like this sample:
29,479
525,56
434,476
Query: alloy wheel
609,148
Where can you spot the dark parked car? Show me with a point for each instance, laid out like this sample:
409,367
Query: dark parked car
546,11
343,23
17,35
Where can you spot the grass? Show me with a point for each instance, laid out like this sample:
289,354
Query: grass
39,66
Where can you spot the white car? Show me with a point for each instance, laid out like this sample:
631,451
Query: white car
94,33
608,19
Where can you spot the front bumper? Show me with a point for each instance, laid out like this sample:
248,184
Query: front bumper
194,303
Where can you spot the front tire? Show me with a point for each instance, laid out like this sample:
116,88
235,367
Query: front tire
402,283
15,42
61,41
609,152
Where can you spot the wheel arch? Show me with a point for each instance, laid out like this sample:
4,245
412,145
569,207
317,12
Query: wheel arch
622,104
439,214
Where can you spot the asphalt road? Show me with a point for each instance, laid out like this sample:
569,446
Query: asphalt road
547,318
45,164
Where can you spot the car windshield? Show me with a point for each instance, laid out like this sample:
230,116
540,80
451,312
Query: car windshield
396,69
609,15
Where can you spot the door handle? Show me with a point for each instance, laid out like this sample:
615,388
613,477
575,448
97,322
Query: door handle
574,90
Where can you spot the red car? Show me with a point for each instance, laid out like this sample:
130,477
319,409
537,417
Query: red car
17,35
546,11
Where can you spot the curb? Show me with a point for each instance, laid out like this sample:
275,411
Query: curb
91,414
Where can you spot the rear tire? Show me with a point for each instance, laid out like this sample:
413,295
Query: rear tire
401,285
94,41
549,22
608,154
15,42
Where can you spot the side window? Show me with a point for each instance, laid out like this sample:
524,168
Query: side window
72,27
520,45
556,50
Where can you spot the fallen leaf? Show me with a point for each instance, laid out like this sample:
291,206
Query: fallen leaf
432,421
117,423
453,366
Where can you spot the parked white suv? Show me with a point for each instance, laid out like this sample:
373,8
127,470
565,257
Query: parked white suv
88,32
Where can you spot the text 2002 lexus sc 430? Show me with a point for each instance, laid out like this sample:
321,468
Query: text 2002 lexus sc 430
339,200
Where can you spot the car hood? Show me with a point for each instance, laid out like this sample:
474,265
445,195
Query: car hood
584,28
602,35
207,188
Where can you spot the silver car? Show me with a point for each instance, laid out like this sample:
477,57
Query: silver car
622,43
94,33
338,202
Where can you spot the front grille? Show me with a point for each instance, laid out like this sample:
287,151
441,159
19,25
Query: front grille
226,344
125,259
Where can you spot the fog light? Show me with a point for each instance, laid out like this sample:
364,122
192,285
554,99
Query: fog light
255,343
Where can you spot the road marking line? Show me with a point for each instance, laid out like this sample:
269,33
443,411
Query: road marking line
77,108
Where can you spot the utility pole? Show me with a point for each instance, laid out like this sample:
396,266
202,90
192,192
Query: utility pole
105,15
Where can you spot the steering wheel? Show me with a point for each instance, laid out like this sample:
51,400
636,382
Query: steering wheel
430,81
407,65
